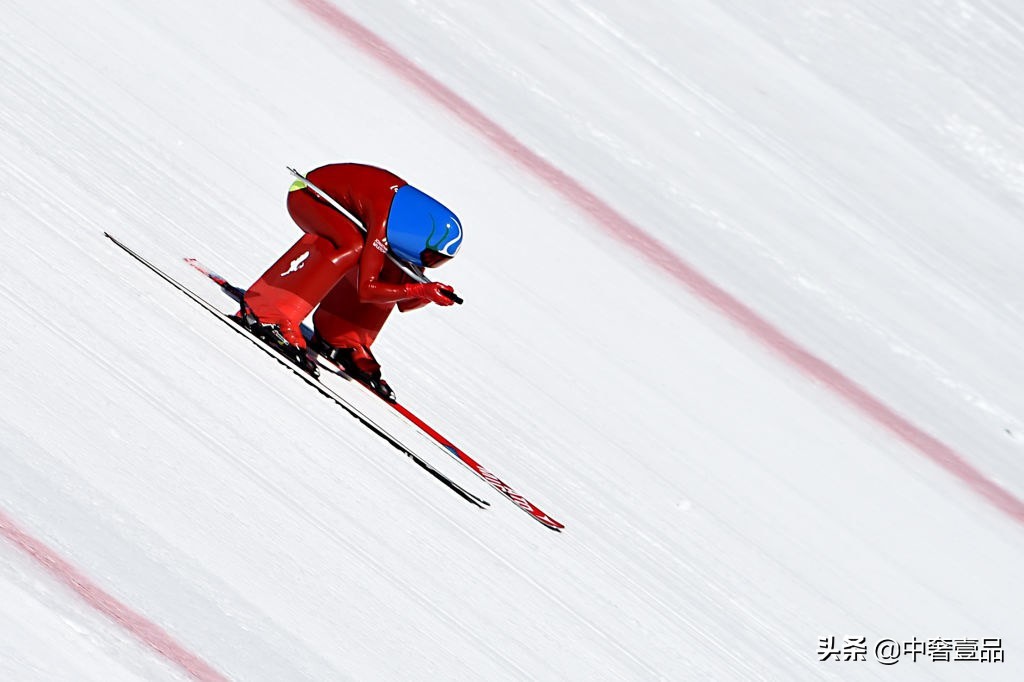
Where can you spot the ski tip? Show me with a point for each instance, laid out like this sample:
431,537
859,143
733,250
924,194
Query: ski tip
549,522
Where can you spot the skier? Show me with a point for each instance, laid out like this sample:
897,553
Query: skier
347,273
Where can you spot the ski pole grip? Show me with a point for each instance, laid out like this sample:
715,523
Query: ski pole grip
452,295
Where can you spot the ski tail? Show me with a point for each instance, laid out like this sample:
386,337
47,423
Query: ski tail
234,292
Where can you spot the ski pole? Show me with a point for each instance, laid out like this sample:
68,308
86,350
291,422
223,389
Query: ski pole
416,275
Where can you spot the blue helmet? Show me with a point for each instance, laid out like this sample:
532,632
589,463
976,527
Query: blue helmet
417,222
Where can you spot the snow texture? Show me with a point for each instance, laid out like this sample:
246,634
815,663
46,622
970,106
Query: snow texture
853,171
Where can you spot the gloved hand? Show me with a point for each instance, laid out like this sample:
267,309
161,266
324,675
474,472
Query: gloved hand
429,291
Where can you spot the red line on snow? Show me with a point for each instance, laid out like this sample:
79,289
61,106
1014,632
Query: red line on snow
146,631
620,228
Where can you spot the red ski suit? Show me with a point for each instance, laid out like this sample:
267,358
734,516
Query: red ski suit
334,265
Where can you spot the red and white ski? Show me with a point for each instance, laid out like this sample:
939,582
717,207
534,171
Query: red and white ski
505,489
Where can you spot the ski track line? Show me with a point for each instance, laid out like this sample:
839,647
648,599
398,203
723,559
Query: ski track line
630,235
146,631
133,622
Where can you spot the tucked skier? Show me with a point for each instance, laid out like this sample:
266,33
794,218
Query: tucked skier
347,273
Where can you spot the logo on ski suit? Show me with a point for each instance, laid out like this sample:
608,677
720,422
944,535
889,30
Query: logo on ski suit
296,264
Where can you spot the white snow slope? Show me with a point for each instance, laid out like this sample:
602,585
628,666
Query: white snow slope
851,171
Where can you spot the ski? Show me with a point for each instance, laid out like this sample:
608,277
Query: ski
477,468
325,391
446,445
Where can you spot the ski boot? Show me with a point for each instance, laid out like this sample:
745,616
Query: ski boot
358,363
282,337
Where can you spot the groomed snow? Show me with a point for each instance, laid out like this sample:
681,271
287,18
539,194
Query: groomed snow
852,173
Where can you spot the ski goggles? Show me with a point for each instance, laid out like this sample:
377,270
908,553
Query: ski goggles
433,259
